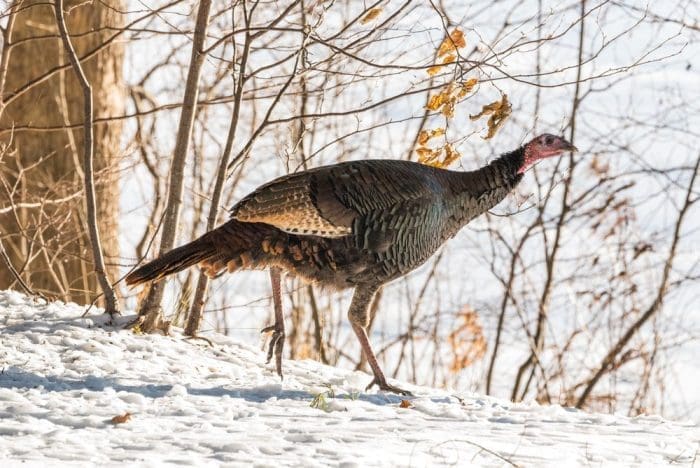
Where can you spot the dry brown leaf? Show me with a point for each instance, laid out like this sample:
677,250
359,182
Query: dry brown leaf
448,59
499,117
425,154
426,135
371,15
433,159
486,110
435,102
452,93
405,404
429,157
437,132
121,419
445,61
458,38
423,137
448,109
434,69
467,87
451,155
452,42
499,112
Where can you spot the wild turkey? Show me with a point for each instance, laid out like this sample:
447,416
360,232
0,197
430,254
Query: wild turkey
357,224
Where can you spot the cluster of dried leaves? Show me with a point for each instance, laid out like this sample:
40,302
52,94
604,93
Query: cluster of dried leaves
449,96
447,99
439,157
452,92
499,112
467,340
447,52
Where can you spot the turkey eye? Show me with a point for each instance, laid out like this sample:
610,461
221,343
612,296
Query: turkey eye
548,140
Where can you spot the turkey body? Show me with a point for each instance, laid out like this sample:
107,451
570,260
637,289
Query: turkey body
353,223
363,222
356,224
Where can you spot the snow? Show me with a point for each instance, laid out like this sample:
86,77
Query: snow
65,377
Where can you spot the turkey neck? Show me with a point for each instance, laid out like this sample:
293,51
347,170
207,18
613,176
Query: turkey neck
499,174
475,192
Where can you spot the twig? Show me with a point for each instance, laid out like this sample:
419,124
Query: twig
199,337
481,447
42,203
16,275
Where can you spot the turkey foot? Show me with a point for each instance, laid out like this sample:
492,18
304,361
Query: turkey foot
276,346
385,387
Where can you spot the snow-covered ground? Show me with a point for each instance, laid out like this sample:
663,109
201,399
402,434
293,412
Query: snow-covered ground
63,378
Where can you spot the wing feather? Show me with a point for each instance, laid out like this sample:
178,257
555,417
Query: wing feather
326,201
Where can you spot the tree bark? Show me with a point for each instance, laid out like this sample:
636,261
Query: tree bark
49,244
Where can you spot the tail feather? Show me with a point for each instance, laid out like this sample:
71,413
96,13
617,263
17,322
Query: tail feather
173,261
231,246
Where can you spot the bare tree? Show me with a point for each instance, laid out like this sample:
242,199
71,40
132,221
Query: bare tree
150,313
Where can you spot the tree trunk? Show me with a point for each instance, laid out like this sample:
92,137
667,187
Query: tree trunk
45,234
150,312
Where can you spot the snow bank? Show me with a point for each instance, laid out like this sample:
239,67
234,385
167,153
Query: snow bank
65,377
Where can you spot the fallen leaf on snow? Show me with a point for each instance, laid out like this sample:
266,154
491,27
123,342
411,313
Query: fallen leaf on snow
121,419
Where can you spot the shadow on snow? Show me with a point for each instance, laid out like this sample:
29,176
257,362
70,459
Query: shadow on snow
16,378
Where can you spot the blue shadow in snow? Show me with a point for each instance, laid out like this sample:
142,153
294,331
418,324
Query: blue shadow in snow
16,378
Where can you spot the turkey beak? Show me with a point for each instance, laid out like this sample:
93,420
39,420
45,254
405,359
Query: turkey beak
569,147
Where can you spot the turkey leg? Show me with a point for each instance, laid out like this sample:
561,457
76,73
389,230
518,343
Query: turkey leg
359,318
277,329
